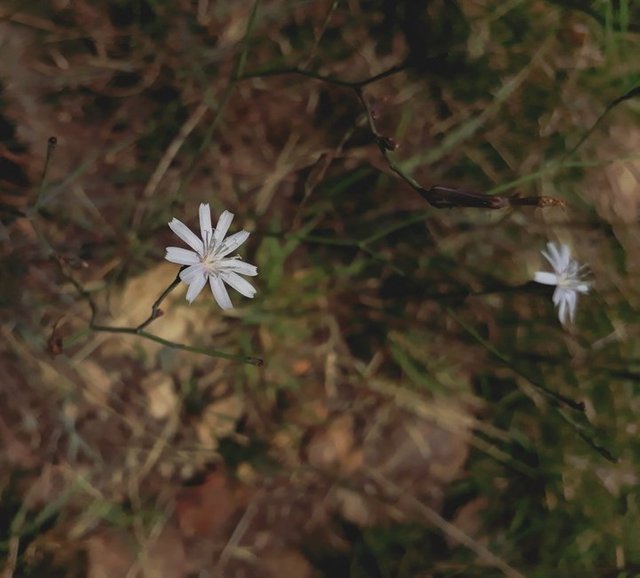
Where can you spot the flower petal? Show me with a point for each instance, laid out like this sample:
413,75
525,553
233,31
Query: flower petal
559,256
239,284
230,244
205,222
565,257
566,277
224,222
553,256
562,310
572,301
238,266
191,272
180,229
220,293
196,286
558,295
583,287
545,278
182,256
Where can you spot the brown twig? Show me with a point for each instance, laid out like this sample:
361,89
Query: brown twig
438,196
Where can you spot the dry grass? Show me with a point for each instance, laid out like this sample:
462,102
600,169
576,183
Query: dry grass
412,416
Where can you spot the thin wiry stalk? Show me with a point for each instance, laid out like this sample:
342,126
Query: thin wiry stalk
438,196
139,330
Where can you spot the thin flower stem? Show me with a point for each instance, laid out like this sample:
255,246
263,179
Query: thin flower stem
139,330
155,308
49,193
51,145
156,312
299,72
360,244
174,345
634,92
354,84
556,397
583,431
586,436
348,241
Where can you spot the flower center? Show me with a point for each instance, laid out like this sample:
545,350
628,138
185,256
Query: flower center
208,257
570,278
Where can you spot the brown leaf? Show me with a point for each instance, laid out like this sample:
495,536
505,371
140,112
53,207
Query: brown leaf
334,447
205,510
112,553
288,562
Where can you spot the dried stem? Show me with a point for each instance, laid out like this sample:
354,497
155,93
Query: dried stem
409,503
438,196
51,146
584,430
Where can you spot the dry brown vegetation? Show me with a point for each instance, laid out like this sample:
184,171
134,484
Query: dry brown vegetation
413,414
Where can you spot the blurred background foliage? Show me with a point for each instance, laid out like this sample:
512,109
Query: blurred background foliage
401,423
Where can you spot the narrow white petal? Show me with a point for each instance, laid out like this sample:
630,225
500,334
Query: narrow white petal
191,272
238,266
545,278
572,301
562,310
230,244
239,284
182,256
583,288
558,295
220,292
553,256
180,229
196,286
205,222
224,222
565,257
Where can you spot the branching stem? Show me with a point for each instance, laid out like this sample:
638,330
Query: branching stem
438,196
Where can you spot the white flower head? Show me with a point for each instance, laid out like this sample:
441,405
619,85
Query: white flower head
566,276
209,260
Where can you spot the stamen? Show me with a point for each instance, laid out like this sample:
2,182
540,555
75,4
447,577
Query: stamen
207,246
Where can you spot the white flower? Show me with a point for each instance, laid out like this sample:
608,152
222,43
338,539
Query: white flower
209,259
567,279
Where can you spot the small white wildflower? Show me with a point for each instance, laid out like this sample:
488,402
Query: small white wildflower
566,277
209,259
